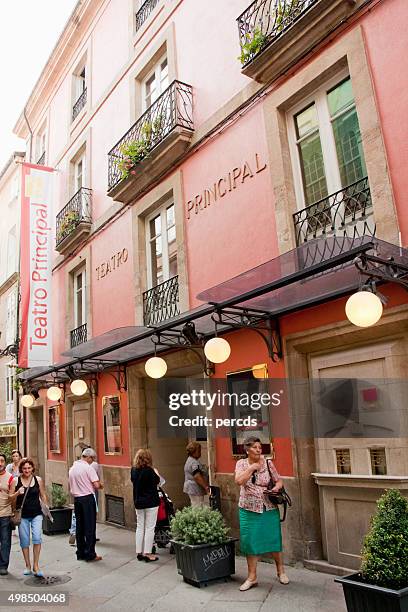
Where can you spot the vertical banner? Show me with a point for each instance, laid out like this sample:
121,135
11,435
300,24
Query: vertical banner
36,242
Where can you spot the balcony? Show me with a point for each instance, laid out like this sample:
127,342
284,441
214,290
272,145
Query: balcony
78,335
275,34
79,104
152,144
161,302
74,221
143,13
346,213
41,160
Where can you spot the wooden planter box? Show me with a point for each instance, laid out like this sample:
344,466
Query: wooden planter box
204,563
62,521
363,597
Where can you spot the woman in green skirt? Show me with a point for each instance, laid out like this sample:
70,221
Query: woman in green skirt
259,519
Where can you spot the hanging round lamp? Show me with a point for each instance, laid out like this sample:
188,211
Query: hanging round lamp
78,387
364,308
217,350
155,367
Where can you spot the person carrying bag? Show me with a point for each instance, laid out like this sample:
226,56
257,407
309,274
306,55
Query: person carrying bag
15,519
281,498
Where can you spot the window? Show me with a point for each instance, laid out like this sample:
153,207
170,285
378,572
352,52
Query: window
79,298
343,461
54,429
40,146
14,188
326,143
79,173
155,83
161,246
11,317
11,252
251,381
79,89
9,380
112,435
378,461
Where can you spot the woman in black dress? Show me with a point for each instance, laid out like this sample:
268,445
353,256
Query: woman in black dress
146,498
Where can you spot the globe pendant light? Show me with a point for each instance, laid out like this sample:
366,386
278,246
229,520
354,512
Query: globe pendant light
78,387
27,400
156,367
217,350
54,393
364,308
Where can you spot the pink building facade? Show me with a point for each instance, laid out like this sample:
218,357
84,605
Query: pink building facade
182,160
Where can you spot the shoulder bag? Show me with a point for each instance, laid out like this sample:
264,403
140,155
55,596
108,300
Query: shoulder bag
281,498
15,519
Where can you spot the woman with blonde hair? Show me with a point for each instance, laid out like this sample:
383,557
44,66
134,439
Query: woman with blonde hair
145,480
195,475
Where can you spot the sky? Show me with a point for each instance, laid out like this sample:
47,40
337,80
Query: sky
29,30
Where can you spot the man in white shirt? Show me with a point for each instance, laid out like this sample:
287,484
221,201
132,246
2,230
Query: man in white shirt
83,482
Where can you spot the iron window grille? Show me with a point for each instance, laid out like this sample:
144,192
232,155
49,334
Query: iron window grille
345,213
41,160
79,335
79,104
343,461
265,20
143,13
161,302
76,211
378,461
173,108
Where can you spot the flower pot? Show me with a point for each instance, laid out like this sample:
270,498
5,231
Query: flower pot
361,596
62,521
203,563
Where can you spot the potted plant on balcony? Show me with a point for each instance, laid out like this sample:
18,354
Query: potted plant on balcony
204,551
60,512
254,42
68,224
382,583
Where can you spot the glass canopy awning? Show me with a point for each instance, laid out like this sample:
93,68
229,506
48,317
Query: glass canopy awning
308,275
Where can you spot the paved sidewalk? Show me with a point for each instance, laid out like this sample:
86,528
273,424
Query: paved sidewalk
120,582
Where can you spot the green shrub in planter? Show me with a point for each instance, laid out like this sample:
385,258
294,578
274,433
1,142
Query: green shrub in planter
204,550
57,496
385,549
382,583
199,526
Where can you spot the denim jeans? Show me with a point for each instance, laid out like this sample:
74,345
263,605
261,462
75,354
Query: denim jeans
36,529
5,541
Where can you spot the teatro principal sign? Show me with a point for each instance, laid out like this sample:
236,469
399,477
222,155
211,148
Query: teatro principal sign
224,185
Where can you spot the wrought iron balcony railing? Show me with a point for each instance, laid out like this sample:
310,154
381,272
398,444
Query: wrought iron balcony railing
77,210
347,212
174,108
79,335
161,302
143,13
264,21
79,104
41,160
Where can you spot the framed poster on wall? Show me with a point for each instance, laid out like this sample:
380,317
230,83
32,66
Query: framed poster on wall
249,381
112,428
54,417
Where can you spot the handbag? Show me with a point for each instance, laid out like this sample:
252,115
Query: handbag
15,519
281,498
46,511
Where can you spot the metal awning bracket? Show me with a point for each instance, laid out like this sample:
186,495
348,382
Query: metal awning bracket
266,326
